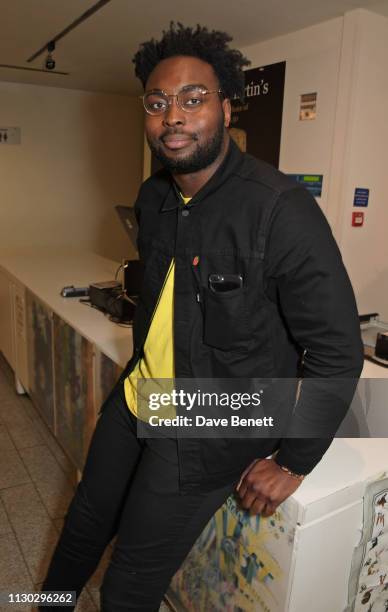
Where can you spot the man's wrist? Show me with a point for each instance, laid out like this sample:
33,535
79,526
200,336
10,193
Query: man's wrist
299,477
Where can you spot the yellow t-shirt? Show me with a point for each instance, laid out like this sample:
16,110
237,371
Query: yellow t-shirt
158,359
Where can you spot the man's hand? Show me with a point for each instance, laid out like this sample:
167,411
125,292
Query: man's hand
263,486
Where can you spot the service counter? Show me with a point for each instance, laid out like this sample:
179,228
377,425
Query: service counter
67,356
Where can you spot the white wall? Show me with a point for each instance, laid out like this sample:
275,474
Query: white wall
366,162
312,58
81,153
345,61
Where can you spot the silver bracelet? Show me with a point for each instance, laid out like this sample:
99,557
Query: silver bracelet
299,477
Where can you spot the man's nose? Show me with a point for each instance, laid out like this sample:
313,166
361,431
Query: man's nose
174,115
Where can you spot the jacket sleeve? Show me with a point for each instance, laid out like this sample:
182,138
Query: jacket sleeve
317,304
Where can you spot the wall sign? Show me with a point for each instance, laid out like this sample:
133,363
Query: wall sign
361,197
308,107
312,182
9,135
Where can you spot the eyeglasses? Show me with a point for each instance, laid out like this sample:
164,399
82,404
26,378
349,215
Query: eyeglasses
190,99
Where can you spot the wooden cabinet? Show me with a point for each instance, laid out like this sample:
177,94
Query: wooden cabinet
74,390
66,355
40,357
107,373
19,308
68,377
13,326
6,319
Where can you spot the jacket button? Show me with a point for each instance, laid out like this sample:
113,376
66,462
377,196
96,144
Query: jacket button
185,212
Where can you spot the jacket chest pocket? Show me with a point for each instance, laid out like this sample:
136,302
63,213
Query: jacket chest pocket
225,319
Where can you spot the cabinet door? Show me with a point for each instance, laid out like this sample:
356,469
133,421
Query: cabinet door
74,397
6,320
20,329
107,374
40,358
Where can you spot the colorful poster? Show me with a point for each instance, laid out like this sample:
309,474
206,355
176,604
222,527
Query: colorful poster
368,583
239,563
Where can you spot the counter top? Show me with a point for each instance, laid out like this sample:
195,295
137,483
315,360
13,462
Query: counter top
45,271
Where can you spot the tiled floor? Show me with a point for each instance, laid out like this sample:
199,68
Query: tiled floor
36,485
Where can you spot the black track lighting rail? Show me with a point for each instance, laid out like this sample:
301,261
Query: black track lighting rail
33,69
93,9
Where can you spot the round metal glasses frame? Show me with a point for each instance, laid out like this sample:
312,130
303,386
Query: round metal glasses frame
167,97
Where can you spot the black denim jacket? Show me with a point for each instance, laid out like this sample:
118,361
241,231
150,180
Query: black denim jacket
296,299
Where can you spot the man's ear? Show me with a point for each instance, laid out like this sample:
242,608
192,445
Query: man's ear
226,107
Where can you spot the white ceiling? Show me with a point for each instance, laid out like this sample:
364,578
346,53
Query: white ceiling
98,53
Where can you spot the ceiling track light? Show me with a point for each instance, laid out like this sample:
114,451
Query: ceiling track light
50,62
74,24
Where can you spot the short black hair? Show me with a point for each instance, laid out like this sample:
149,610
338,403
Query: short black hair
209,46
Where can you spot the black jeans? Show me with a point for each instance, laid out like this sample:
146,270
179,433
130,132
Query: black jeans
129,487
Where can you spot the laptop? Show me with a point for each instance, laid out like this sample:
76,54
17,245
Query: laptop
128,219
133,268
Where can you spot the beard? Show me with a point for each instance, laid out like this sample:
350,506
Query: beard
203,155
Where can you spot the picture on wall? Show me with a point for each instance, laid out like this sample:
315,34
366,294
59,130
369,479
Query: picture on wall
257,122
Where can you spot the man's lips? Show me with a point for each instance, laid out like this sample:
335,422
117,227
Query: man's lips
177,141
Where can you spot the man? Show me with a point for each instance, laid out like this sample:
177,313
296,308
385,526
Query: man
211,211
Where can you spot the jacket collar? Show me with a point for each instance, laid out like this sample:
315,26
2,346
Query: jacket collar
231,162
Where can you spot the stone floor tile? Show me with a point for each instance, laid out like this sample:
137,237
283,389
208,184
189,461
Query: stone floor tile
85,603
13,413
56,495
7,393
12,470
25,435
37,543
5,439
29,408
13,570
61,458
44,430
5,525
41,464
23,505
